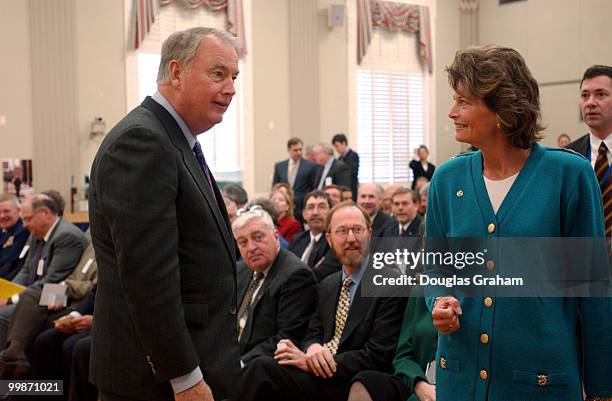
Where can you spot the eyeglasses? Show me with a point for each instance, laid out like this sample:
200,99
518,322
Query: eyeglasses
251,208
322,206
343,231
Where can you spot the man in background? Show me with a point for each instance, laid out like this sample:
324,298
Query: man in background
13,236
332,171
350,157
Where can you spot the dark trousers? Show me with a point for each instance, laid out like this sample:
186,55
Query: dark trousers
52,359
80,387
264,379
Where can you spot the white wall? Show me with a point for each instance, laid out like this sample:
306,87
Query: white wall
559,40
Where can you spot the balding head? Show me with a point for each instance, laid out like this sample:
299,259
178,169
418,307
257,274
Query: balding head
369,196
39,213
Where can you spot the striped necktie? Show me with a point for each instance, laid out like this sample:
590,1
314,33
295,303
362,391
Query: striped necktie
601,168
248,298
344,303
197,150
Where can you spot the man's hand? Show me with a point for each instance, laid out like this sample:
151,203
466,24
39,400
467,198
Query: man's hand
289,355
425,391
65,324
83,323
446,314
320,361
55,307
199,392
3,302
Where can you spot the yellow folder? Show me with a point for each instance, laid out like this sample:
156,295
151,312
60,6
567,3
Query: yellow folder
8,289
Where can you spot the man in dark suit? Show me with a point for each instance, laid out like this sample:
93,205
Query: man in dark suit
347,333
166,305
350,157
596,109
276,291
331,171
310,245
296,171
405,210
54,249
369,197
13,237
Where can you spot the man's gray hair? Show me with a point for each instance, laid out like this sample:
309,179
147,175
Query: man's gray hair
10,198
38,201
424,190
257,214
327,148
182,46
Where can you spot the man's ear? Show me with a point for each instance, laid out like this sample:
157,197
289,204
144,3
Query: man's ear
175,71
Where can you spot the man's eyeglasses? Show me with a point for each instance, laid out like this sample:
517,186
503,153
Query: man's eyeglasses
343,231
322,206
251,208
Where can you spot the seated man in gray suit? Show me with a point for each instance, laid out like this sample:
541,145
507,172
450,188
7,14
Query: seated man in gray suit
276,291
29,319
54,249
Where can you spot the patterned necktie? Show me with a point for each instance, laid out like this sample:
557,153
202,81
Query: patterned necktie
34,267
341,313
601,168
197,149
248,298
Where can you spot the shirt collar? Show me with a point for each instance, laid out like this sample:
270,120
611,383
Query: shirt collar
596,142
356,276
315,237
346,152
329,163
46,239
191,139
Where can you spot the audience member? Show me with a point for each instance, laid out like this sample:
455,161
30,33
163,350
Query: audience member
29,318
55,247
423,195
236,194
231,208
309,153
350,157
310,246
286,188
334,192
369,197
420,166
347,193
13,237
387,203
55,352
58,199
420,183
296,171
288,226
405,211
331,171
347,333
596,109
563,140
276,291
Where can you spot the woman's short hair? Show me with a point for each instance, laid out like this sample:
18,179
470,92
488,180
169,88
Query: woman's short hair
500,77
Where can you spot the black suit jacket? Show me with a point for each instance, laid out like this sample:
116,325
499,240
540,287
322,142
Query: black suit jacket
282,307
370,333
418,171
304,179
339,172
413,229
381,222
352,159
11,244
166,299
581,145
322,259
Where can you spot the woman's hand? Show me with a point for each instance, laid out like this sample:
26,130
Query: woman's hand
425,391
446,314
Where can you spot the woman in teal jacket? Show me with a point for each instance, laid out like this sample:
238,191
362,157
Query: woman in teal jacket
514,349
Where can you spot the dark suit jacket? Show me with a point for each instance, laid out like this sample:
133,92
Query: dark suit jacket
61,254
339,172
418,171
166,299
304,180
581,145
381,222
370,333
11,244
413,230
282,307
322,259
352,159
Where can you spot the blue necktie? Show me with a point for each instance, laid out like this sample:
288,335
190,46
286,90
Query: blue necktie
197,149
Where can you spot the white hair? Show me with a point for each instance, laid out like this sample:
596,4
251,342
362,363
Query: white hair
257,214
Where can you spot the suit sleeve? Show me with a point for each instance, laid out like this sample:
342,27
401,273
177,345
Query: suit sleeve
378,350
67,251
296,303
343,176
137,188
315,328
276,178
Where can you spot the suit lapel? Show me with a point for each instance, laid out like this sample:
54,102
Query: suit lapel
179,141
328,313
269,278
284,173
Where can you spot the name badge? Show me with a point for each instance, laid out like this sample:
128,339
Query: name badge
87,266
328,181
430,372
24,251
9,242
41,268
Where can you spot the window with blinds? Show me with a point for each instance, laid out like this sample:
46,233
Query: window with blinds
222,145
390,107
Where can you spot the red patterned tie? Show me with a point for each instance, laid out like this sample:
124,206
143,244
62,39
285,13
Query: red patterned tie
601,168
